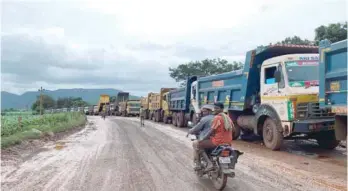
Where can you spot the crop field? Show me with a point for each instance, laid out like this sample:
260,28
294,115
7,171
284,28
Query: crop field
14,130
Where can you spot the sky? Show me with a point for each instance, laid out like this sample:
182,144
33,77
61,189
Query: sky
129,45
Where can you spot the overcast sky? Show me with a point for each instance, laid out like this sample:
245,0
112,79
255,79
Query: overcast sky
129,45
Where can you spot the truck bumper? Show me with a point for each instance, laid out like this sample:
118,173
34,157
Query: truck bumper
313,125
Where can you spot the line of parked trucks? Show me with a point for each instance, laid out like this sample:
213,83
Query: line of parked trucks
122,106
282,92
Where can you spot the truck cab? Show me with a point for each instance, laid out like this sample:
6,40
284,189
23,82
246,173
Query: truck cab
133,107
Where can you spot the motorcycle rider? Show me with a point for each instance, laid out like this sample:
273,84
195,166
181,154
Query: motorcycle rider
219,133
200,129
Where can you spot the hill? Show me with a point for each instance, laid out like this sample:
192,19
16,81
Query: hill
10,100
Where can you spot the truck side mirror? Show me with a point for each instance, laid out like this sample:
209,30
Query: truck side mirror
277,75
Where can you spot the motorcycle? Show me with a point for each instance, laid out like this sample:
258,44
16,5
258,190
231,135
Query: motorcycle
223,158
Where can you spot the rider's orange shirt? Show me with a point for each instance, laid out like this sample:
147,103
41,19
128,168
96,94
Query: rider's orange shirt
221,135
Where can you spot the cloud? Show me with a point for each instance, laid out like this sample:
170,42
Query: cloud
116,44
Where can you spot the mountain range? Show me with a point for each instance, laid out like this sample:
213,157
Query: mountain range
10,100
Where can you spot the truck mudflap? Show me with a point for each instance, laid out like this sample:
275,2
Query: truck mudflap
341,127
313,125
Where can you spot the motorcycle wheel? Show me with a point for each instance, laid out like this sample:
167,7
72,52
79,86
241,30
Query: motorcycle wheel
219,180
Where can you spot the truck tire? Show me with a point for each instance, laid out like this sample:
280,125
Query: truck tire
236,132
272,138
165,119
174,119
180,120
327,140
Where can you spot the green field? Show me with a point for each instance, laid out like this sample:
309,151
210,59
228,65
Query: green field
34,126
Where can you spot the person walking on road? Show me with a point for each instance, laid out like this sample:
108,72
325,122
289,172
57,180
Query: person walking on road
142,116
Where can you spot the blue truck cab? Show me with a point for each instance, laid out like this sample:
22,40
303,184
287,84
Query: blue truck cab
333,83
275,95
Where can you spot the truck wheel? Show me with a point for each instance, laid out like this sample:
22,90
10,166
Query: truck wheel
165,119
180,120
327,140
236,132
174,119
272,138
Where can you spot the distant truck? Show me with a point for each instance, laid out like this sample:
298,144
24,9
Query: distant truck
85,110
133,108
122,108
333,85
104,100
275,95
152,105
95,110
158,102
144,101
121,97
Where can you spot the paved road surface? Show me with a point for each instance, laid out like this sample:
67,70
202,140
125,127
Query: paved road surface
118,154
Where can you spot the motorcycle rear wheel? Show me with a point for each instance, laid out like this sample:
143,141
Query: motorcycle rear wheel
220,181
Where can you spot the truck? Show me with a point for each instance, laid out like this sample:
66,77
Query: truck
274,96
133,108
152,105
104,100
180,108
121,97
85,110
144,102
122,108
95,110
158,101
333,85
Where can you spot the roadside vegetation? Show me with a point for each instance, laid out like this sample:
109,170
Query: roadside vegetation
17,127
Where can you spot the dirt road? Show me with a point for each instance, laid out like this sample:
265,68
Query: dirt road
118,154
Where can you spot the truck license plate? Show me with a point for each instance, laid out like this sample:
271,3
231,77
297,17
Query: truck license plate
335,86
225,160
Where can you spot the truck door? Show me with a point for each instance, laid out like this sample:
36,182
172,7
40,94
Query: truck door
269,86
269,90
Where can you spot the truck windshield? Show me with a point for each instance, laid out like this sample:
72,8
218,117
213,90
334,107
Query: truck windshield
300,72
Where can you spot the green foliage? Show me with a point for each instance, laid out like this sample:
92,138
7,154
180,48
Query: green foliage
71,102
203,68
34,126
334,32
296,40
47,102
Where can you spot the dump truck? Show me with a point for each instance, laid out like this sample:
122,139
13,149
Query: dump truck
144,102
180,108
133,108
333,85
121,97
103,101
85,110
275,96
95,110
122,108
157,103
152,105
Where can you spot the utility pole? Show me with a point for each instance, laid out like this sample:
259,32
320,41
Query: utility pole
41,90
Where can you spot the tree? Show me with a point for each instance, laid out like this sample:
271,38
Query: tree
296,40
47,103
334,32
71,102
202,68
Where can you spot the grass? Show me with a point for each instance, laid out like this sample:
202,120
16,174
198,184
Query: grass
34,126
